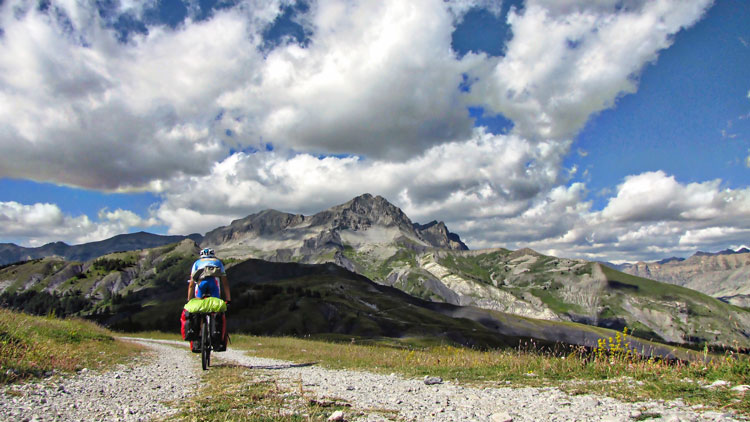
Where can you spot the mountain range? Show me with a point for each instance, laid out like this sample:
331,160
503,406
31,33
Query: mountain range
146,289
370,240
724,275
10,252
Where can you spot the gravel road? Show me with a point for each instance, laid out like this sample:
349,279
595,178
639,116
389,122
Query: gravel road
170,373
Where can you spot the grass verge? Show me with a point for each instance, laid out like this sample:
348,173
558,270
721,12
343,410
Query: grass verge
234,393
609,370
32,346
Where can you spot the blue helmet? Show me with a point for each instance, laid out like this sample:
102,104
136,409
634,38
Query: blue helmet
207,253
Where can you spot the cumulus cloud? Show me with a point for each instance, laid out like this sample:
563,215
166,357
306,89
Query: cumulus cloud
83,109
568,60
40,223
650,216
460,7
654,196
376,79
485,175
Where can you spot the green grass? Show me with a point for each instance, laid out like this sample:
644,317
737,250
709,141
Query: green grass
473,267
233,393
33,346
555,303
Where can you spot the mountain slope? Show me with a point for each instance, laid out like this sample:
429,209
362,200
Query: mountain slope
109,289
534,285
373,238
723,275
289,298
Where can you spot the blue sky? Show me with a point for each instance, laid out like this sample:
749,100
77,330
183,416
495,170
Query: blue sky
693,93
615,130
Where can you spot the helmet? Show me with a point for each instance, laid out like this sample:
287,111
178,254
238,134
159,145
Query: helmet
206,253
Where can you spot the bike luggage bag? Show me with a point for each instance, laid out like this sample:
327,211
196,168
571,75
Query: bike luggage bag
206,305
190,325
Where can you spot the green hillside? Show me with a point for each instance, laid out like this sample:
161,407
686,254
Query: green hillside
530,284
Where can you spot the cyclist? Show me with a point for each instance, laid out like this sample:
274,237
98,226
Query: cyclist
204,282
208,286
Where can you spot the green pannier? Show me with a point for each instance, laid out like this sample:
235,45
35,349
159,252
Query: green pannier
206,305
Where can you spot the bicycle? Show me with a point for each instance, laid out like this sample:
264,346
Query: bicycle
208,326
209,334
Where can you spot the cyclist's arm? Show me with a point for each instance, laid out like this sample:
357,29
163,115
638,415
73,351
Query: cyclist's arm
225,287
191,289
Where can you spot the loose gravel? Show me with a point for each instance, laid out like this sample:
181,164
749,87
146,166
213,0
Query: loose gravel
170,373
137,391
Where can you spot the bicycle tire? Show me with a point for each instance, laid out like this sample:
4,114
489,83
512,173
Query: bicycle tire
205,345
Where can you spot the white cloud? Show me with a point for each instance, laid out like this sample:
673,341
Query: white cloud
460,7
568,60
40,223
377,79
652,216
126,218
483,176
80,108
712,235
655,196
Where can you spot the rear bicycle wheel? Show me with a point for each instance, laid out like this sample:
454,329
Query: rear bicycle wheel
205,345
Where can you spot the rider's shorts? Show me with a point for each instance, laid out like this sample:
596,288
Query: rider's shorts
208,287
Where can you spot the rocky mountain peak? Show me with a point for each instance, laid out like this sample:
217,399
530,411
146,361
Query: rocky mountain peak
266,222
361,213
280,236
438,235
724,252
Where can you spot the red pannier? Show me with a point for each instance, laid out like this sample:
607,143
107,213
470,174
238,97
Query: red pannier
190,326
